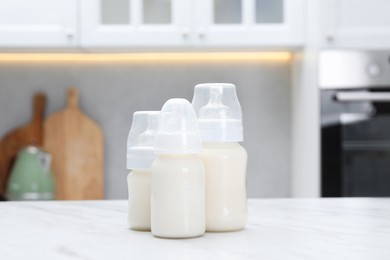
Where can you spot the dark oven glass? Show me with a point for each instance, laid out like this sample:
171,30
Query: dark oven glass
366,158
356,154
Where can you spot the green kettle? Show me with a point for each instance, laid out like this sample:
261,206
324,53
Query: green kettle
31,177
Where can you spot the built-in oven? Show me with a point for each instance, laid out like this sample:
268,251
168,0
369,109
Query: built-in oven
355,123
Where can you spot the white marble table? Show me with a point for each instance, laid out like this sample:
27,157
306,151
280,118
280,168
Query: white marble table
277,229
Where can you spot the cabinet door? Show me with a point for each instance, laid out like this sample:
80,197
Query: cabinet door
249,23
38,23
135,23
356,23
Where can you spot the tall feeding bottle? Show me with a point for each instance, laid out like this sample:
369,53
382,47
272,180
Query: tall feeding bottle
140,157
178,182
225,160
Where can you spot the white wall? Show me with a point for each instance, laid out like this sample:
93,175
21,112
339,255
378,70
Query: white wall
305,128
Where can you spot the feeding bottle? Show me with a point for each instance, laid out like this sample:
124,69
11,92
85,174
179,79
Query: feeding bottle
225,160
140,157
178,182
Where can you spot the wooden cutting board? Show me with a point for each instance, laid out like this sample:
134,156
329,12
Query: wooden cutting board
12,142
76,144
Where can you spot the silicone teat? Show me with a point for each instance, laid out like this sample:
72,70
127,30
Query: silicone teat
140,140
147,137
219,112
215,109
177,128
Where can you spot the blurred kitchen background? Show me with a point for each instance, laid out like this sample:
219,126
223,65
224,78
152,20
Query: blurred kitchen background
110,93
130,55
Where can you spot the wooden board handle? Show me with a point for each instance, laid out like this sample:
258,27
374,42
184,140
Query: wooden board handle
39,106
73,98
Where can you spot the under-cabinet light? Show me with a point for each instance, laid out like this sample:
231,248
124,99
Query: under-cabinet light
144,57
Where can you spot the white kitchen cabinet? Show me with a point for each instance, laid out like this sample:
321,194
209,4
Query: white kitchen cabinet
38,23
135,23
187,23
249,23
355,23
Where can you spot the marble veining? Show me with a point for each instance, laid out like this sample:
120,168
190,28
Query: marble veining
345,228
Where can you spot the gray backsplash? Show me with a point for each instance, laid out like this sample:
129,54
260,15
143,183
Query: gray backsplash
110,93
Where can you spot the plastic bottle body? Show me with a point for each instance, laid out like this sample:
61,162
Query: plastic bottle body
139,185
225,171
178,196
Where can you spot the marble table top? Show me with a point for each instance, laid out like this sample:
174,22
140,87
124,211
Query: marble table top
345,228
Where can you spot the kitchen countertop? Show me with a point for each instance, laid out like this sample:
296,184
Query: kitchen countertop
345,228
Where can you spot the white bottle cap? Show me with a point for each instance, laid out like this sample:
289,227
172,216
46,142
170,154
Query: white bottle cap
177,131
140,140
219,112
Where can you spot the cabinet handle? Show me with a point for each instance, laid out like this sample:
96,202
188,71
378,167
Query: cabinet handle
185,33
69,33
201,33
329,36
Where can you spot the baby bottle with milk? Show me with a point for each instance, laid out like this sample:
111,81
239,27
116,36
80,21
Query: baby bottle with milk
178,181
140,157
225,160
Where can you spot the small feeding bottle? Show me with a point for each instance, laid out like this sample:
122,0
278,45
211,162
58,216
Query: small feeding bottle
140,157
178,182
225,160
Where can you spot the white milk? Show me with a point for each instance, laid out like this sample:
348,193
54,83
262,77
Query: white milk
220,126
138,182
178,184
178,196
225,167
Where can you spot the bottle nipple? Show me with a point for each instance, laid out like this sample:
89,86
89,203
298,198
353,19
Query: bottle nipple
177,130
215,109
219,112
147,137
141,139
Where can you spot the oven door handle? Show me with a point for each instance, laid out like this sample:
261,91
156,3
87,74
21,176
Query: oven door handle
362,96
